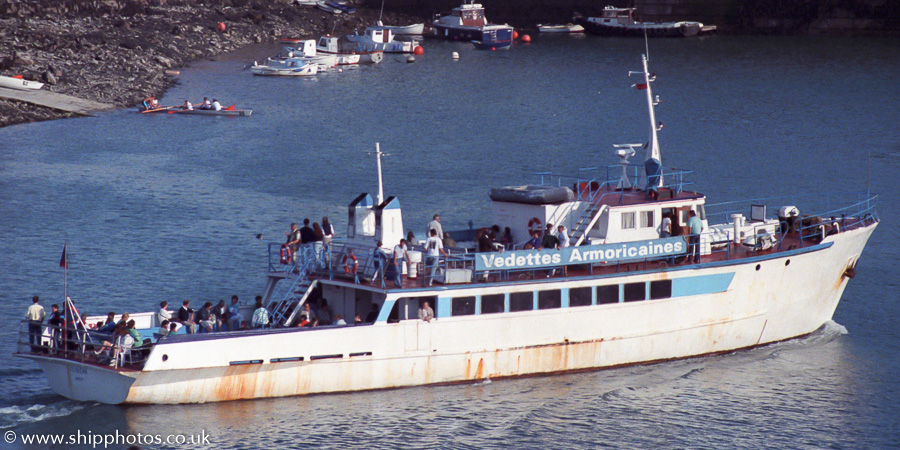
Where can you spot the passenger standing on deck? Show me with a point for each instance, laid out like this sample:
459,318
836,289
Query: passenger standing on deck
665,227
220,311
425,312
696,226
260,315
411,238
293,240
399,255
378,258
484,241
35,316
434,247
318,243
54,322
185,315
234,314
327,230
562,236
435,224
306,233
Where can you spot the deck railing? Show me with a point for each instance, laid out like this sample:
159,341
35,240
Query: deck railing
74,343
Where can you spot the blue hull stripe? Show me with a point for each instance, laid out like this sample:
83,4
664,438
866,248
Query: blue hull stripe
700,285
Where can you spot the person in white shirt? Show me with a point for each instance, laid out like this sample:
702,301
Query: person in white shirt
163,314
206,104
425,312
563,236
188,106
434,247
216,105
260,316
435,224
35,316
399,256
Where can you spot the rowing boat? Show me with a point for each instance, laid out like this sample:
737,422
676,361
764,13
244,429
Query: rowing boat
19,83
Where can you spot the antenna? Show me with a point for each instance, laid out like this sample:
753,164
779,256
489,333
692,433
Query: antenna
624,151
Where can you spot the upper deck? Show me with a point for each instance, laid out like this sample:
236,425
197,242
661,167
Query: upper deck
718,245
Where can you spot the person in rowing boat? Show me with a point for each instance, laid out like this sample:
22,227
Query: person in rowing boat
151,103
206,104
216,105
187,106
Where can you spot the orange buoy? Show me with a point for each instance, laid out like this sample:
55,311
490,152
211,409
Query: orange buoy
515,34
526,38
221,27
419,50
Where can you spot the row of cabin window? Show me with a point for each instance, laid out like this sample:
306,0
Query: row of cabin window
647,217
550,299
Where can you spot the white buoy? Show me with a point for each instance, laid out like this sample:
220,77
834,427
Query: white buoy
455,56
340,70
410,59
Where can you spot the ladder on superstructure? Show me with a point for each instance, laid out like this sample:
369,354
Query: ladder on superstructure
586,220
294,289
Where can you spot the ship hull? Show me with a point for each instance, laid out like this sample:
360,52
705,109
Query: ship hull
719,307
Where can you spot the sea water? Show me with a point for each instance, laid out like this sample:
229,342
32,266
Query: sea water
168,207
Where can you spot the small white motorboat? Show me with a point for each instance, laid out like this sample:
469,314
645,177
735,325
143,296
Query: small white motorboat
305,50
290,67
416,29
19,83
324,6
567,28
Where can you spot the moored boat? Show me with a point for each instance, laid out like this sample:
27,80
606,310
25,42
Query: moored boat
620,22
290,67
229,111
567,28
303,51
467,22
325,6
494,37
380,39
19,83
346,52
416,29
621,293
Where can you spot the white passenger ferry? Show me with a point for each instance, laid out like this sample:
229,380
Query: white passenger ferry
620,294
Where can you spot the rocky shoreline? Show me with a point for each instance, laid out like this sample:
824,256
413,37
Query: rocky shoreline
117,51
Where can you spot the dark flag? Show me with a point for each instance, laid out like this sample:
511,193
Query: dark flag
64,260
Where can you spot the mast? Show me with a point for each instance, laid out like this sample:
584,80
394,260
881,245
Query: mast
653,156
653,146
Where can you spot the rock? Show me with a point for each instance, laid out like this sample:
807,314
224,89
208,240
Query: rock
22,60
166,62
48,78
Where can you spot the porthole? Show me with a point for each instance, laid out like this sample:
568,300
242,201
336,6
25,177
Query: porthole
787,263
165,358
758,267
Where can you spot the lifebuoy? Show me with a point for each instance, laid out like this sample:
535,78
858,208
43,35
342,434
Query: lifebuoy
286,254
350,260
534,225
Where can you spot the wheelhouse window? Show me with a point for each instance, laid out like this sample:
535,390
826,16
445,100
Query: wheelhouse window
660,289
549,299
580,296
608,294
521,301
647,219
635,292
463,306
627,220
492,304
